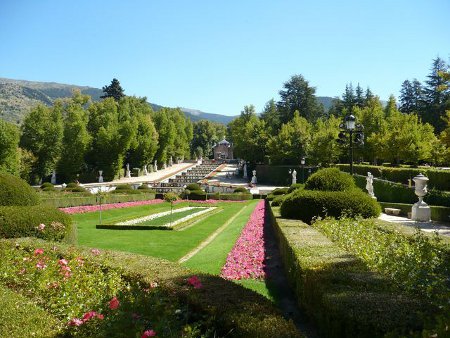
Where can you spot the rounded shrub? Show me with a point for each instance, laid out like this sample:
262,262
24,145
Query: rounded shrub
145,187
307,204
295,187
278,200
197,195
47,185
71,185
15,191
240,190
124,187
280,191
34,221
193,186
330,179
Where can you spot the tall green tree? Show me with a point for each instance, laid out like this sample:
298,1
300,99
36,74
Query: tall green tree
9,148
205,135
42,134
291,143
323,148
114,90
167,131
76,138
271,116
298,95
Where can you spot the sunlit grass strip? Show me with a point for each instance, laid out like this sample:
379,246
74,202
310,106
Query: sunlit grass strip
246,259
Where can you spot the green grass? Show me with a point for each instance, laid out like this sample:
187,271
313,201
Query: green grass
171,245
166,219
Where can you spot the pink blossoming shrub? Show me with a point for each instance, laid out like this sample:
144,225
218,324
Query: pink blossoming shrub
195,282
246,259
91,208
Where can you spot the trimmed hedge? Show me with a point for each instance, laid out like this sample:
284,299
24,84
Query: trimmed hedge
193,186
240,190
439,179
278,200
218,308
398,193
280,191
330,179
308,204
230,197
23,221
67,200
337,290
199,195
295,187
15,191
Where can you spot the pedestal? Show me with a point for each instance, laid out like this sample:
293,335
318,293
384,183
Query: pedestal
421,212
128,174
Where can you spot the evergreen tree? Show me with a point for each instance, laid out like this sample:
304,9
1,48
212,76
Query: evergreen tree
297,95
271,116
391,106
369,96
9,144
114,90
359,96
348,98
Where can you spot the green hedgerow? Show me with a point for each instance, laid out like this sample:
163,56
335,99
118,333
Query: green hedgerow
295,187
330,179
308,204
240,190
193,186
15,191
278,200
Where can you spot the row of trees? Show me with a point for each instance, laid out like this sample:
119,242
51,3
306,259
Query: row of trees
298,126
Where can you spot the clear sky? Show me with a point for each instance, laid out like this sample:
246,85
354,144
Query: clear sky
217,56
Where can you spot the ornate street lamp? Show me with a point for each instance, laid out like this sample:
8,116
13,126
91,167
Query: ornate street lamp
302,162
355,135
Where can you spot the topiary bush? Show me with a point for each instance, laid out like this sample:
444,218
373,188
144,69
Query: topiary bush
330,179
295,187
47,185
15,191
197,195
280,191
278,200
71,185
307,204
124,187
26,221
193,186
240,190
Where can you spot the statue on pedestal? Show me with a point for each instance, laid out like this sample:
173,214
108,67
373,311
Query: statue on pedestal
128,172
53,179
100,178
369,185
254,180
294,177
156,166
145,170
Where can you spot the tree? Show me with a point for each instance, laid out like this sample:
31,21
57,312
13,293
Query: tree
9,144
42,134
271,116
411,97
359,97
114,90
297,95
324,149
204,137
391,106
76,138
291,143
167,134
348,98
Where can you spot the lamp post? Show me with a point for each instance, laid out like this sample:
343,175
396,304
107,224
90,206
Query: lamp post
302,162
290,175
355,135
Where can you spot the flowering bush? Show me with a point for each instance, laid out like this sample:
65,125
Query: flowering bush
246,259
92,208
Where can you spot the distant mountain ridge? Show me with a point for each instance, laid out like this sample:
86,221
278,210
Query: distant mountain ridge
17,97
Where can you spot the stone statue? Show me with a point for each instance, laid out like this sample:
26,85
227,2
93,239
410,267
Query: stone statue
294,177
156,166
170,161
100,178
254,180
53,179
128,172
145,170
245,170
369,185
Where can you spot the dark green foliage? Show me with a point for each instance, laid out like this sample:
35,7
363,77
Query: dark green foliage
193,186
197,195
22,221
240,189
280,191
47,185
15,191
230,197
278,200
72,185
308,204
339,292
295,187
330,179
146,188
9,147
114,90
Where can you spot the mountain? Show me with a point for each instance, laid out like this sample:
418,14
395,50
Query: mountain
17,97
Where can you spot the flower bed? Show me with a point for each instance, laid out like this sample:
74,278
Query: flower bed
92,208
246,259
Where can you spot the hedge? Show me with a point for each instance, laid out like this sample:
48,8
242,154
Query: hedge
437,213
278,200
156,289
398,193
330,179
439,179
23,221
279,174
337,290
308,204
15,191
67,200
231,197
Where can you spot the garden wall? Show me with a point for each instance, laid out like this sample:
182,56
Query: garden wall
279,175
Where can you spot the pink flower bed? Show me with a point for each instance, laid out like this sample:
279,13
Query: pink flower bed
90,208
246,259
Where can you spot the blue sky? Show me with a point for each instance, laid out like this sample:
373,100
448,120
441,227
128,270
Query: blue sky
217,56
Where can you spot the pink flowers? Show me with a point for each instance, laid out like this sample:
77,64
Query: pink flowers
114,303
86,317
195,282
40,227
246,259
38,252
90,208
41,265
95,252
148,333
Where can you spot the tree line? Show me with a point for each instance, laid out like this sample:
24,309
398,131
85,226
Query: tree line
413,131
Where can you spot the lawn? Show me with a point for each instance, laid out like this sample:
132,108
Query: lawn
171,245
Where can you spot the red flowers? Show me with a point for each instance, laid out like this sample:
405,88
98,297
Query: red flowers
246,259
195,282
38,252
86,317
148,333
114,303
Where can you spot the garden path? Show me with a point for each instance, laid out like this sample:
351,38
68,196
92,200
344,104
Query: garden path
440,227
211,237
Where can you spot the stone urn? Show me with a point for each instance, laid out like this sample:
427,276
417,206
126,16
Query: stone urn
100,177
421,212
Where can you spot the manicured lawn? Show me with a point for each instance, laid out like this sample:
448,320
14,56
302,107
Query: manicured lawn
171,245
166,219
